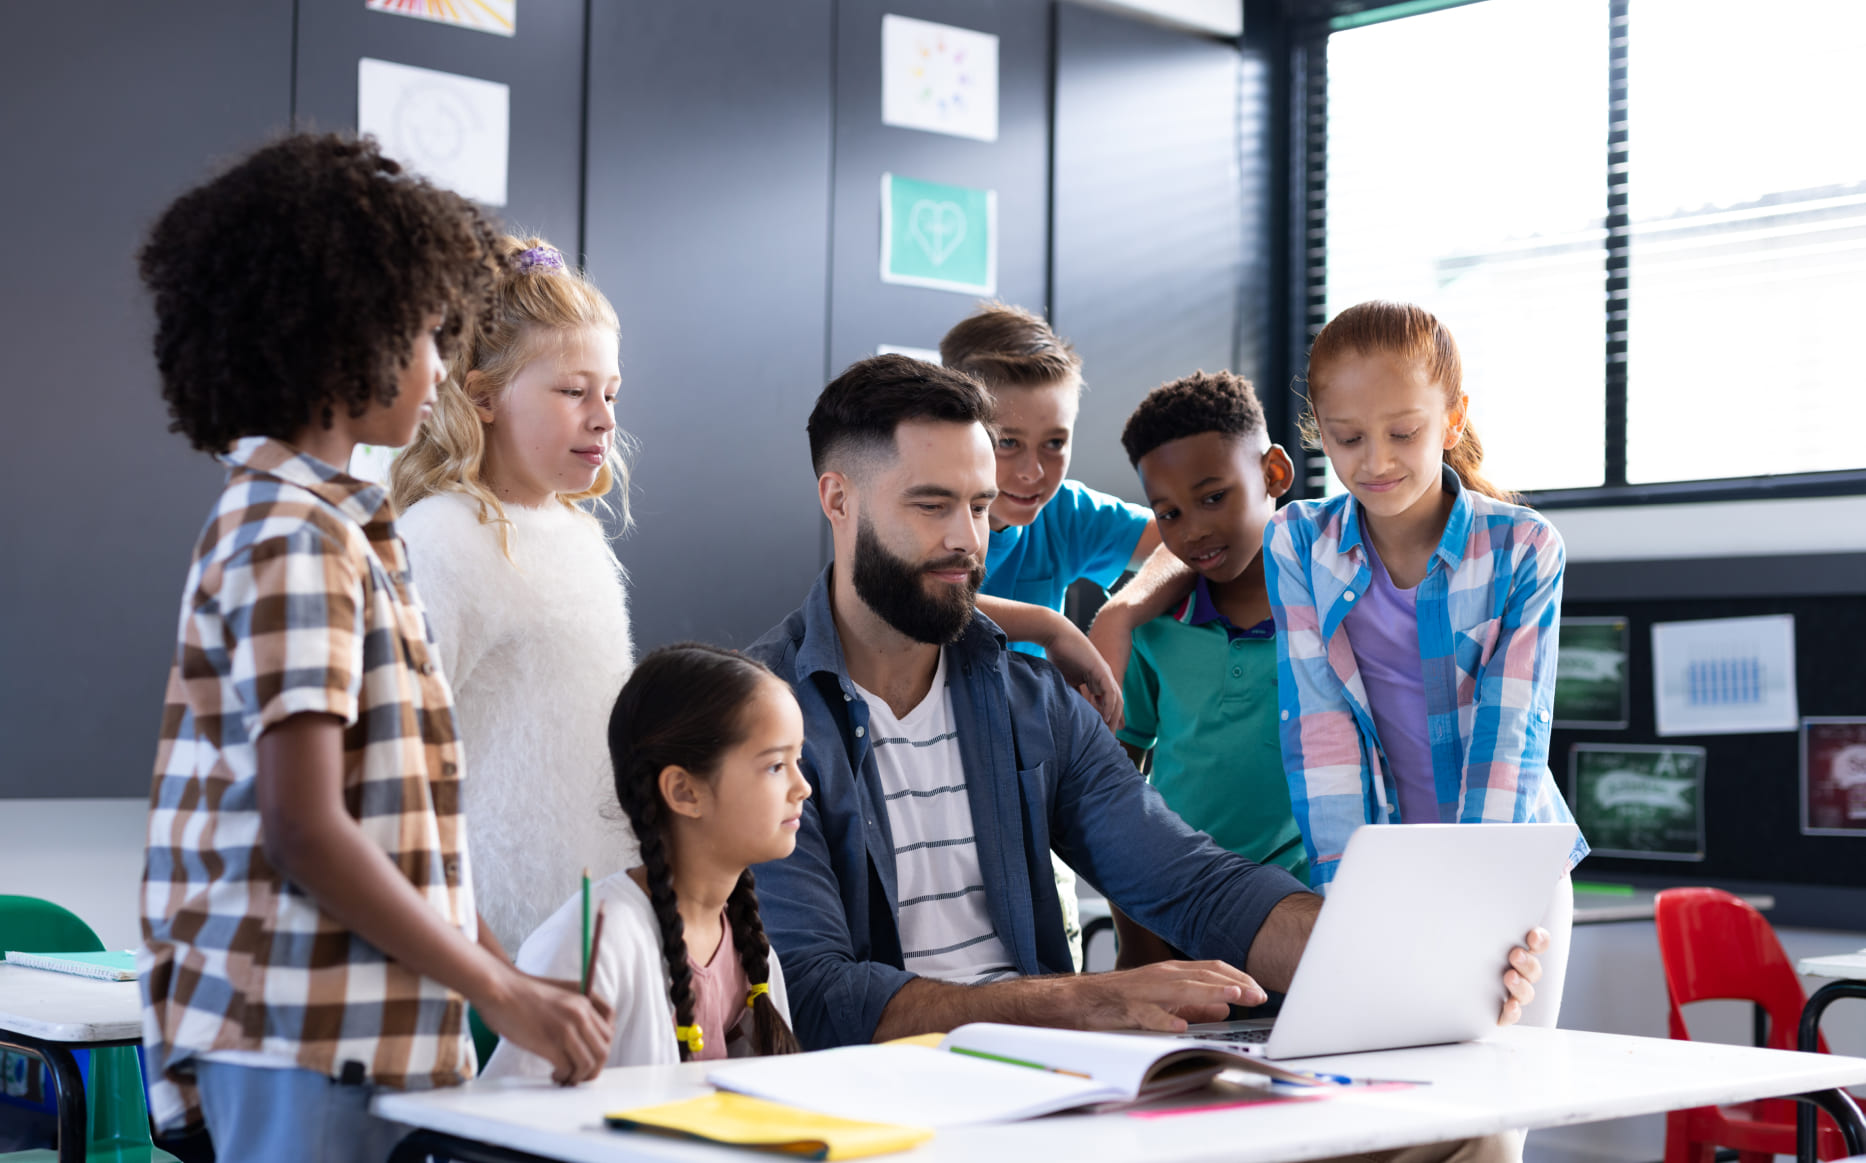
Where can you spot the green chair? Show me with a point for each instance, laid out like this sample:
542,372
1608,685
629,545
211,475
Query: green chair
117,1108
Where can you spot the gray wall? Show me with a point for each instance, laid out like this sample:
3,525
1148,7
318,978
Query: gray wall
708,220
106,121
1149,229
718,164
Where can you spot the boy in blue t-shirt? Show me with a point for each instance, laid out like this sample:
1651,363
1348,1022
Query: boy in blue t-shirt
1201,681
1046,531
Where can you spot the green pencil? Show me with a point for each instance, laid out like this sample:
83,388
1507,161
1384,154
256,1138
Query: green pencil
583,979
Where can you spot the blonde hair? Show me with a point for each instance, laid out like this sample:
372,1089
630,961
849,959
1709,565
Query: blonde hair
1009,347
1410,333
449,452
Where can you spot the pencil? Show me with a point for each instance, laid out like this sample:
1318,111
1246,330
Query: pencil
585,975
596,942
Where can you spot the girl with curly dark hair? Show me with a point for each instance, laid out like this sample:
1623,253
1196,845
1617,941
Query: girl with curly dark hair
308,919
706,745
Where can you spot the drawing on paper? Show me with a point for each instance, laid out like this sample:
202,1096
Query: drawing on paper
939,236
939,78
1590,674
1833,777
496,16
448,128
1639,800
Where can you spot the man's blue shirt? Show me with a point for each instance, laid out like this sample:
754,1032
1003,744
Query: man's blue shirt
1042,772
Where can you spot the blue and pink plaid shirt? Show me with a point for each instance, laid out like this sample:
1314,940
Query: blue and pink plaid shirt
1488,609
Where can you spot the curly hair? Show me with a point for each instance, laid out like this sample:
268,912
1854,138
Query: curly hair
449,450
1215,402
681,707
296,282
1009,347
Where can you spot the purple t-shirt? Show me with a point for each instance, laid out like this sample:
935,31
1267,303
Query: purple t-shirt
1383,629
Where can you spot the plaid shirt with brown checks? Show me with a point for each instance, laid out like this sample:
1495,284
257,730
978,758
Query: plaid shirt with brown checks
298,601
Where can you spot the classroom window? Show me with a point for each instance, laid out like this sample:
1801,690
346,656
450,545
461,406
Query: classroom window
1463,171
1468,169
1747,193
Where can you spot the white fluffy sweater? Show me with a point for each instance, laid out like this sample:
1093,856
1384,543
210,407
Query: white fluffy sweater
536,652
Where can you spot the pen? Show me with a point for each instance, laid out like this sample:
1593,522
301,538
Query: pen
1018,1062
584,976
596,941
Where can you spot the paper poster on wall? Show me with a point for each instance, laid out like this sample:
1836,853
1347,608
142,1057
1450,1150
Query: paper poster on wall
1639,800
1833,777
939,78
1590,674
1725,676
496,16
938,236
372,462
445,127
923,354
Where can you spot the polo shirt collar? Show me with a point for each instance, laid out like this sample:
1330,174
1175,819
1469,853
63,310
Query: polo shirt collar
1457,526
820,650
1199,609
361,501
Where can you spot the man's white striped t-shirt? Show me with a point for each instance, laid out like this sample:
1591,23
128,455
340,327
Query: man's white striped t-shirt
946,929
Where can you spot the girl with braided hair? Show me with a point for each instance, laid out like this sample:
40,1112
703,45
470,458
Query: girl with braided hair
706,745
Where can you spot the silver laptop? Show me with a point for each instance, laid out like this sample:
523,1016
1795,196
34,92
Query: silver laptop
1411,947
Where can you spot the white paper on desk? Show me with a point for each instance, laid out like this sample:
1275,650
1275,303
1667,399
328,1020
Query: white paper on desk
907,1085
939,78
1725,676
450,129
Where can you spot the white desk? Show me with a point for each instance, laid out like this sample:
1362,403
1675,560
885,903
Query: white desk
49,1014
1517,1078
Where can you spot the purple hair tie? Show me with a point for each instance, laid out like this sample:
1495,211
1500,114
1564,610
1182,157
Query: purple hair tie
541,257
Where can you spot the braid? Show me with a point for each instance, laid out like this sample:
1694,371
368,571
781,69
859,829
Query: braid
771,1034
644,811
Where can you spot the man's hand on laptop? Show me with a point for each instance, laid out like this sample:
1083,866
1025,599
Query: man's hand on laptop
1164,996
1519,980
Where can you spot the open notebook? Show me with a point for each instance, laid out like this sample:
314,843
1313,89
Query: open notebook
985,1072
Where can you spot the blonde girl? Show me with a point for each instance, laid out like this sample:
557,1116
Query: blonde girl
1416,614
525,595
705,745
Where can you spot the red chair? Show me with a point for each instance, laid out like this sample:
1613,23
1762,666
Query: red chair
1715,947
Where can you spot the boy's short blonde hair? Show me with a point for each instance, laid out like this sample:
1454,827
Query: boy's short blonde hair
1008,347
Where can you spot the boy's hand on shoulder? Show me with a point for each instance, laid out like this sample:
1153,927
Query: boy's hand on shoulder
553,1020
1087,671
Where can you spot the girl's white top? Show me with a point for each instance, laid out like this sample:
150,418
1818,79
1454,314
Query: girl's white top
536,649
629,973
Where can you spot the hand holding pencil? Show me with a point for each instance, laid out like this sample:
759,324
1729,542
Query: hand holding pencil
557,1020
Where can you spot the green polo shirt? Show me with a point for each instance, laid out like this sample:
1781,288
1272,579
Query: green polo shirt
1201,695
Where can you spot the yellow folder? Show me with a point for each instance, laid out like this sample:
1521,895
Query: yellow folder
740,1121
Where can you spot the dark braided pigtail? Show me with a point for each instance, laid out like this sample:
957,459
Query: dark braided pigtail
771,1034
646,816
680,708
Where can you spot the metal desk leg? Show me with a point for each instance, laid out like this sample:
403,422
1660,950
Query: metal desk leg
1831,1101
67,1091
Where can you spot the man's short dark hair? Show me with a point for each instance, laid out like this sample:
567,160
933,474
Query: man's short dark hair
861,408
1219,402
296,282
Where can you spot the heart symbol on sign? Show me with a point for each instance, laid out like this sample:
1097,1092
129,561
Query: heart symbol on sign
939,228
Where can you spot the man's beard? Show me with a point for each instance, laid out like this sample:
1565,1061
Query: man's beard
896,590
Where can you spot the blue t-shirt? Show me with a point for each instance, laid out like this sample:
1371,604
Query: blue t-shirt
1080,534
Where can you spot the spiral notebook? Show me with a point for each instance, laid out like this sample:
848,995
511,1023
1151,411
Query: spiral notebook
113,965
